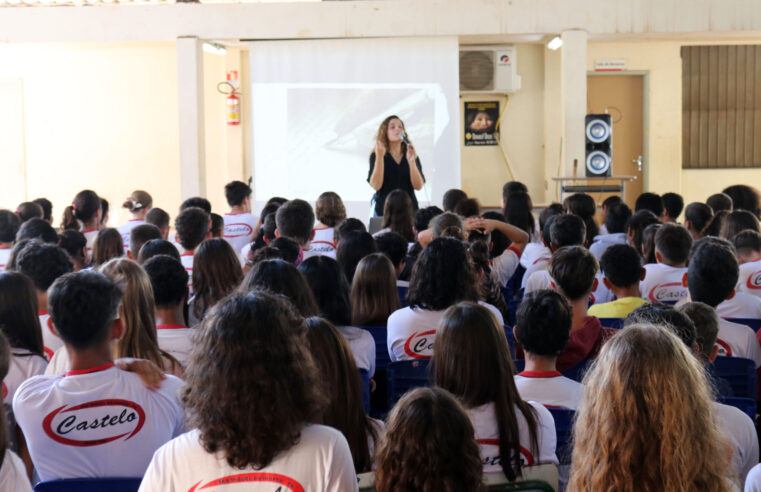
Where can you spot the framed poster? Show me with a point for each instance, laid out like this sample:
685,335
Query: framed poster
480,122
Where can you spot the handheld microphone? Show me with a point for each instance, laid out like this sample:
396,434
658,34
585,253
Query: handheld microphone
403,136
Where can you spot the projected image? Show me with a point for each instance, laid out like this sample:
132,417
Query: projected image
308,139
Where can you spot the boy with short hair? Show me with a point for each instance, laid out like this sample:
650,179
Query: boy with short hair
615,223
663,280
450,200
138,236
673,204
706,323
394,246
160,219
44,263
192,226
696,217
156,247
649,201
170,293
47,209
239,223
543,327
748,246
622,272
295,219
9,226
719,202
97,420
217,226
564,230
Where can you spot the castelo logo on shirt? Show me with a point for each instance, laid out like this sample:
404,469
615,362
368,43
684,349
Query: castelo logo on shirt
95,422
754,280
490,455
238,229
670,292
420,345
284,483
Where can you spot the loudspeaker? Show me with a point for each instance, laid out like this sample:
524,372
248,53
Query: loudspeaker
598,137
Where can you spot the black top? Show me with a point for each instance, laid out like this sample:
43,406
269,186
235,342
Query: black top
395,176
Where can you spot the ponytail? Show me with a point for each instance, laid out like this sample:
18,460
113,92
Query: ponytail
83,208
69,220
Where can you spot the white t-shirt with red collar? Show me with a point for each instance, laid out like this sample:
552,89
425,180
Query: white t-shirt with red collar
23,365
551,389
740,431
362,346
176,341
323,242
319,461
749,281
90,235
100,422
411,332
503,267
542,263
125,230
740,305
239,229
663,283
736,340
5,255
186,258
50,338
484,422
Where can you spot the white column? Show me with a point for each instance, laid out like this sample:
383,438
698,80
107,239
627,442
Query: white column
190,99
573,73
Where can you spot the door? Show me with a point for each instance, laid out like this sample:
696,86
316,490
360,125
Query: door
621,96
12,158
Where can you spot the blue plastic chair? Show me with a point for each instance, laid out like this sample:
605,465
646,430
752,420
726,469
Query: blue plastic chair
90,485
380,334
739,373
379,397
747,405
755,324
615,323
564,431
510,340
402,291
405,375
520,364
364,378
578,371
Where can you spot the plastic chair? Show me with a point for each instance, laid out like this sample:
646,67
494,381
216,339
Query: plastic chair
519,364
510,340
379,397
747,405
90,485
380,334
540,477
364,378
564,431
755,324
405,375
578,371
738,372
615,323
402,291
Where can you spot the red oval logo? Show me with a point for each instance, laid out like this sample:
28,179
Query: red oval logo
275,478
754,280
420,345
724,348
670,292
491,457
237,230
94,423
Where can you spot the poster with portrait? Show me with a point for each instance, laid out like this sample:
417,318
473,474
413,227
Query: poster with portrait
480,123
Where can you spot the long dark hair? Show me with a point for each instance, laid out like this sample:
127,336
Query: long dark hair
373,293
216,273
108,244
517,212
83,208
19,319
280,277
443,275
472,362
584,206
329,287
398,214
351,249
338,370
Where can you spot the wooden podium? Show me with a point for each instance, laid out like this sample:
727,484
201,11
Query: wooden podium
583,184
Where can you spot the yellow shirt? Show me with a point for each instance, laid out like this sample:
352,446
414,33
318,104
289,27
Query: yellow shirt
619,308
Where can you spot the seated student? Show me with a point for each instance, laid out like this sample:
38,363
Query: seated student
615,223
52,411
139,203
541,248
541,263
345,411
352,249
216,273
543,327
713,228
192,226
488,290
647,388
295,219
140,235
395,248
240,436
13,474
29,210
75,245
277,276
663,280
472,360
748,247
441,277
583,206
720,201
84,215
469,207
426,429
623,273
108,245
47,209
738,221
156,247
288,248
169,281
44,263
711,278
696,218
673,204
636,225
744,197
605,206
39,229
9,226
217,226
398,215
373,292
706,324
648,243
503,267
518,211
649,201
331,292
160,219
239,224
346,227
449,201
330,211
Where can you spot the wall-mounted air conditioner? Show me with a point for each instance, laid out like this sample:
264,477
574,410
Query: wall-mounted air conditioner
489,69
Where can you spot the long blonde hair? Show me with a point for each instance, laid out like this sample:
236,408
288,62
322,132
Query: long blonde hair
646,421
137,312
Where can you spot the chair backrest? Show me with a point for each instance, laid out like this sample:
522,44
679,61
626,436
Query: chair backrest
739,373
366,481
564,430
375,224
578,371
510,339
755,324
402,291
539,477
90,485
615,323
747,405
380,334
364,378
405,375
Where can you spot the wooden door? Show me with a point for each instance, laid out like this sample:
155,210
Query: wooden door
621,96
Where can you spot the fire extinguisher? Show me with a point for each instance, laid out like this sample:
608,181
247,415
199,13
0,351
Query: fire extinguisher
233,109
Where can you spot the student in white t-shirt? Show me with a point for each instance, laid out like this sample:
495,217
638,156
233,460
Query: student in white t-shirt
216,273
330,211
295,219
711,278
13,474
44,263
543,327
240,224
426,429
663,280
96,420
559,231
169,281
472,360
616,218
331,292
541,257
748,246
138,204
84,215
9,226
138,236
192,225
160,219
265,442
442,276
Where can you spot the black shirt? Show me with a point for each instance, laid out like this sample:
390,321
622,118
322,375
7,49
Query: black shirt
395,176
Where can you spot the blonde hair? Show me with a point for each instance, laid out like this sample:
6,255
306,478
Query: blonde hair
646,421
